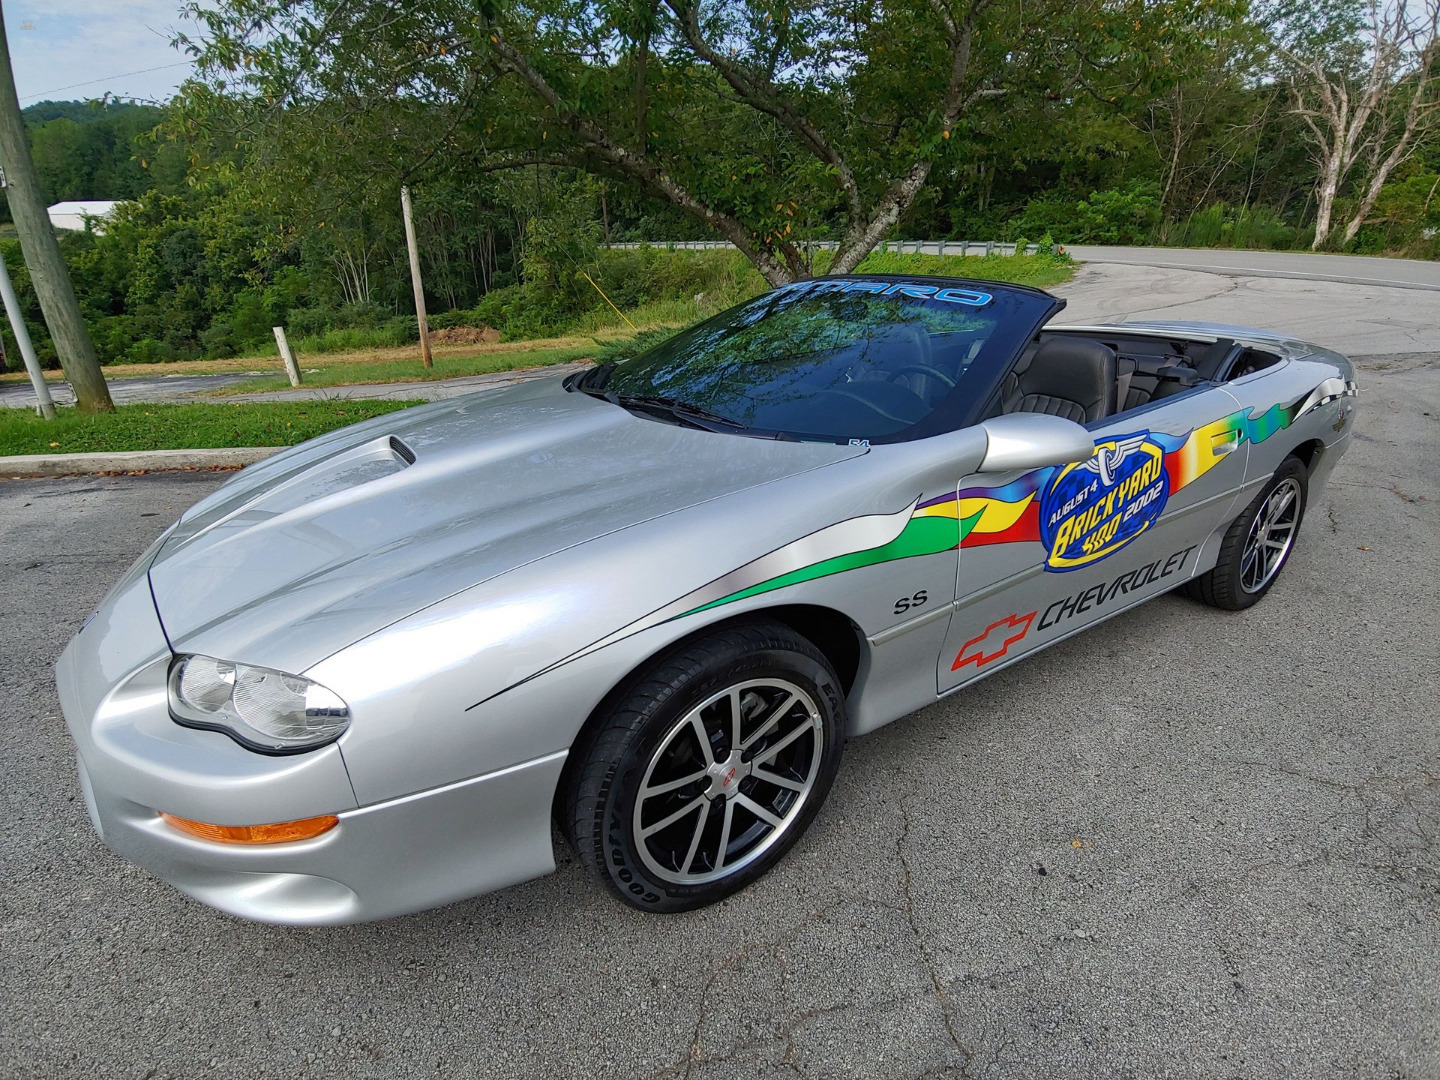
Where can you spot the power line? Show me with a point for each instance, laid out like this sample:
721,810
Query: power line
107,78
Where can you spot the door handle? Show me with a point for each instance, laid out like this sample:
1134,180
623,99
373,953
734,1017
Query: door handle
1224,444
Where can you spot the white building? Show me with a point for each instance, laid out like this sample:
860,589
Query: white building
72,215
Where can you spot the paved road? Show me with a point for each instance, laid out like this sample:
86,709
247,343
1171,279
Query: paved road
1350,269
432,390
144,388
1185,844
1359,320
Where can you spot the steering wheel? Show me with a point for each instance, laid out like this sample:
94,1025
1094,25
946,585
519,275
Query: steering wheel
846,392
930,373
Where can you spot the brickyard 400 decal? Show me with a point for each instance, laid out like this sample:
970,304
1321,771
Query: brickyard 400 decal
1082,512
1086,512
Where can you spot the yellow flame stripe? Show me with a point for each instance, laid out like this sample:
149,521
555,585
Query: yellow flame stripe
995,516
1197,456
941,510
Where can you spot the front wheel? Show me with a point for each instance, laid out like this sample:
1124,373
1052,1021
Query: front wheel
1258,543
709,768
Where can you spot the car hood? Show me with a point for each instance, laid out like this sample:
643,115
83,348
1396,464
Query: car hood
320,546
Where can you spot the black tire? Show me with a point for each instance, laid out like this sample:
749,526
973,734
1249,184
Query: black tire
1233,583
649,731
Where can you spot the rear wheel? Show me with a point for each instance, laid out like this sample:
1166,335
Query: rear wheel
709,768
1258,543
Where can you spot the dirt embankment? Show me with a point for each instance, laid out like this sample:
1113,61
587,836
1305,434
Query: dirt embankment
465,335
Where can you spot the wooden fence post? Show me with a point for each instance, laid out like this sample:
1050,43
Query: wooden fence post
291,368
23,343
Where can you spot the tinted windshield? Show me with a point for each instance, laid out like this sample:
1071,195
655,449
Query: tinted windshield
841,358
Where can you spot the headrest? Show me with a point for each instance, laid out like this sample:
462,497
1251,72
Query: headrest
1075,369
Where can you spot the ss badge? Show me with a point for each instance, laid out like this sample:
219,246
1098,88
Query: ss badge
905,603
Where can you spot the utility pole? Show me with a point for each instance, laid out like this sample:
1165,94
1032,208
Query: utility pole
415,276
41,251
22,340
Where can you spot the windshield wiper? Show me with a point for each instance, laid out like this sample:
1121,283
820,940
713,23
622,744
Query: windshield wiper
681,408
686,413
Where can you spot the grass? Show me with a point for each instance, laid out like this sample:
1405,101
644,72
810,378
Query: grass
590,333
353,373
1037,271
181,427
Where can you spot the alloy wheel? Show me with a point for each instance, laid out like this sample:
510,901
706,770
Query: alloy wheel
1271,535
728,780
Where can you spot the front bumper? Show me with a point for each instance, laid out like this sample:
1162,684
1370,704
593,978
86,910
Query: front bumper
401,855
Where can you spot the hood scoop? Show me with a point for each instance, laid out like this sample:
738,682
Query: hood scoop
363,464
400,450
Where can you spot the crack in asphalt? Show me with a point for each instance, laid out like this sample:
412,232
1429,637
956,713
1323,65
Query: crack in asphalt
1385,814
906,887
695,1053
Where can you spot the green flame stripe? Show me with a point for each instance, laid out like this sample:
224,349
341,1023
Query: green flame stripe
921,536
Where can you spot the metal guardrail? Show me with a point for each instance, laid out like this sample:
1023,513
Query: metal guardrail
899,247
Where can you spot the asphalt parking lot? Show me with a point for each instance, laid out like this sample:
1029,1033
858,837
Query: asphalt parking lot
1183,844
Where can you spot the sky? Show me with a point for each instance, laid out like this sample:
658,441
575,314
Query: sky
67,49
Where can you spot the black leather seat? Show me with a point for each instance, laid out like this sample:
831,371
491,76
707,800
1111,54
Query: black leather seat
1069,377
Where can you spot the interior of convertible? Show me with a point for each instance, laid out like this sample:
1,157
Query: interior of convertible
1086,375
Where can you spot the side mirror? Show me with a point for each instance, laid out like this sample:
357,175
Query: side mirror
1022,441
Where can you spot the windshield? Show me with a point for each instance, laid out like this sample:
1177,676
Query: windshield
869,359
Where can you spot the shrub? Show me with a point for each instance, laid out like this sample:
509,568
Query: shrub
1128,215
218,339
397,330
150,351
1220,225
309,321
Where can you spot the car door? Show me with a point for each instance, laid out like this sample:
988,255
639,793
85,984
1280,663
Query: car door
1048,552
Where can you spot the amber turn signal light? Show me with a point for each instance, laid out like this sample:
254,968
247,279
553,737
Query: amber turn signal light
282,832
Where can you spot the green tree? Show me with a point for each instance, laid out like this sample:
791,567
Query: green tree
751,116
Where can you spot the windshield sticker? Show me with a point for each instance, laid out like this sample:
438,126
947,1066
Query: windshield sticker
968,297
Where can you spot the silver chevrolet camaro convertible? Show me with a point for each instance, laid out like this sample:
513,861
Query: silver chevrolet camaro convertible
650,601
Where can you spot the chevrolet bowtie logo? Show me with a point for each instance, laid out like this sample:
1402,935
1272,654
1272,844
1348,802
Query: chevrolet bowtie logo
997,638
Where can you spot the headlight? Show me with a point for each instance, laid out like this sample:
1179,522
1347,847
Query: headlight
259,708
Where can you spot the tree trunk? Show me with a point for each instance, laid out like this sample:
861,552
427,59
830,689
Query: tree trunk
642,95
1418,109
1367,202
41,251
1325,199
861,238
